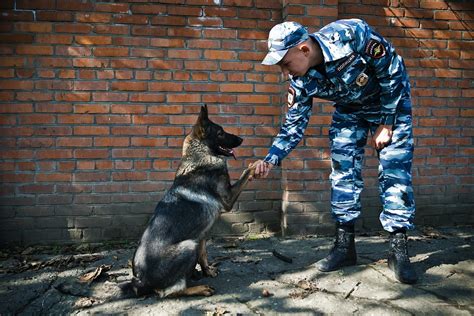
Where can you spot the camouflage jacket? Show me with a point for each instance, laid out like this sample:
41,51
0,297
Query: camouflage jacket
361,70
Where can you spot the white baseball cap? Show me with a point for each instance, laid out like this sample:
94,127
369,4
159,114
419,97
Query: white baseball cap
281,38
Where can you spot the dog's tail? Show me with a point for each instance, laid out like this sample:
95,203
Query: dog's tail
133,288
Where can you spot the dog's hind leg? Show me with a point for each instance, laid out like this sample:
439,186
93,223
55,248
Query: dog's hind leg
166,268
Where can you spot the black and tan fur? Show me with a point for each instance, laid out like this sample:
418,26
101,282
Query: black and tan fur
174,240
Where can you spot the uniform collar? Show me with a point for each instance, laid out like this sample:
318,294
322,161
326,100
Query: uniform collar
331,46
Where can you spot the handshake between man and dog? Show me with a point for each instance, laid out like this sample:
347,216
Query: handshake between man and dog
175,239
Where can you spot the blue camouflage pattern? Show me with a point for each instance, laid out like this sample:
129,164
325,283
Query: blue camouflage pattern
348,136
366,79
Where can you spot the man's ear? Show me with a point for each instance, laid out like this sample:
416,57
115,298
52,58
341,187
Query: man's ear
304,47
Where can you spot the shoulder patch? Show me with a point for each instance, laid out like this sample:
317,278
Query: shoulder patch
375,49
291,97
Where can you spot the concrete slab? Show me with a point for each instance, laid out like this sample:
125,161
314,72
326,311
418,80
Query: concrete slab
252,280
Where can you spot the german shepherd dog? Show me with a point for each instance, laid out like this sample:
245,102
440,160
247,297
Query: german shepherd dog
174,240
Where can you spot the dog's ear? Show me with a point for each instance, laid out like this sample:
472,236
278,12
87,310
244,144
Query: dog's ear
204,114
200,126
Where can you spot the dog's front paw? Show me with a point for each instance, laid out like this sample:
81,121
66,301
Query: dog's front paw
251,169
210,271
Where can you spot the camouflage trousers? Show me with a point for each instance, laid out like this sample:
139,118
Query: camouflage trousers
348,136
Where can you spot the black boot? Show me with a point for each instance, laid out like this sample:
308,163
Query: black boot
398,260
343,252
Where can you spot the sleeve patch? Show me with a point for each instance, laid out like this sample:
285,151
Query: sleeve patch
291,97
375,49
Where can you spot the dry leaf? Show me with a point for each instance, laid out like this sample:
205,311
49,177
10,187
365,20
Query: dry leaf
85,302
91,276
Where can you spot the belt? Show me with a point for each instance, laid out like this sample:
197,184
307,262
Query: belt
359,107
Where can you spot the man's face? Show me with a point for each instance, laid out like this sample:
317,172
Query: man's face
295,63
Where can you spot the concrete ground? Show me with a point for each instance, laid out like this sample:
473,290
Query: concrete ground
251,280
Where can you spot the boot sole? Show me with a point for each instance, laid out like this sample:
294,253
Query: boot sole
345,264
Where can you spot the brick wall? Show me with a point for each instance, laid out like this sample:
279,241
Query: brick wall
96,98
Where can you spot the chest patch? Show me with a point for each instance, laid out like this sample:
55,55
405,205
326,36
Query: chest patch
291,97
375,49
346,62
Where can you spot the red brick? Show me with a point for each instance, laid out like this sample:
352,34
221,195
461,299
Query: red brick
111,141
201,87
106,51
54,154
131,130
36,119
129,86
149,31
112,7
130,19
199,65
149,119
220,54
74,142
446,73
109,96
72,28
205,22
166,131
91,153
129,153
166,42
92,17
35,27
55,16
243,87
147,142
183,10
165,86
148,97
253,99
93,40
184,98
170,20
148,9
128,108
91,108
53,39
91,130
143,52
184,32
16,38
53,177
111,29
128,63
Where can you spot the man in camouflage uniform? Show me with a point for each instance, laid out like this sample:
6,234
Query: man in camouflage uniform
348,63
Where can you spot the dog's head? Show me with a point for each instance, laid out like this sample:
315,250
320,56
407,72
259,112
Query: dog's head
213,135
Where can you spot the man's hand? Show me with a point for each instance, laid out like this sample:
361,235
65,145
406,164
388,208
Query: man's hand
382,136
262,169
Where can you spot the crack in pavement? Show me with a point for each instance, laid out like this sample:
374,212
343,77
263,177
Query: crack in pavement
22,308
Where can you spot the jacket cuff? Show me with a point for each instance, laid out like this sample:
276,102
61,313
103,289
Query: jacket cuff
388,119
273,159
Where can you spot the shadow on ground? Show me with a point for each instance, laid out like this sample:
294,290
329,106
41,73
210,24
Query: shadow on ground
252,280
